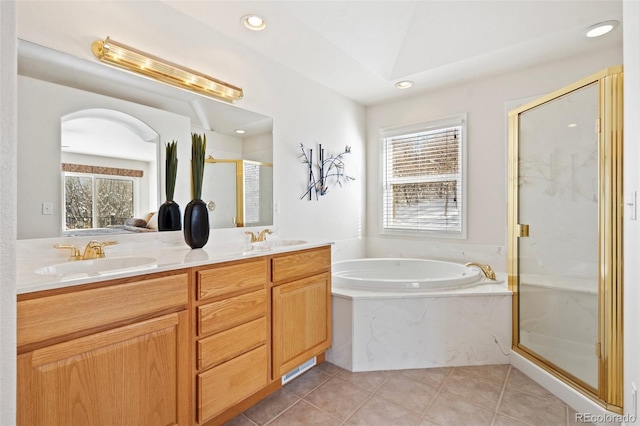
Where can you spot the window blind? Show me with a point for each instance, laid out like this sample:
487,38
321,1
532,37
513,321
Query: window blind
251,193
423,180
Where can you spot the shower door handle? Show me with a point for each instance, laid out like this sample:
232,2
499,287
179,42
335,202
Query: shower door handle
523,230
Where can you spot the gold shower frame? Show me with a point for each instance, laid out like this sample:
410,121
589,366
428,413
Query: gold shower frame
240,210
609,348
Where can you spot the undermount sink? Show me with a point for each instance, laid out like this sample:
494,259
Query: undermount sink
265,245
96,267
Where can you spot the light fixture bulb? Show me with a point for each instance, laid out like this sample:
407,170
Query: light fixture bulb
405,84
601,28
240,131
254,22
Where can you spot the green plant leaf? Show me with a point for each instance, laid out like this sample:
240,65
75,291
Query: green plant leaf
198,149
171,169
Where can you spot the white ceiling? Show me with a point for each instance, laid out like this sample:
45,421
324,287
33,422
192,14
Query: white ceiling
360,49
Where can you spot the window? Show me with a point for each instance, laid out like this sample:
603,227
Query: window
96,201
423,178
251,194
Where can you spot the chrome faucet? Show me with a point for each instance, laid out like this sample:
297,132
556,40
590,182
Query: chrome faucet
262,236
486,270
95,249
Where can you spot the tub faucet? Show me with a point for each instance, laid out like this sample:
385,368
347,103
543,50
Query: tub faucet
486,270
95,249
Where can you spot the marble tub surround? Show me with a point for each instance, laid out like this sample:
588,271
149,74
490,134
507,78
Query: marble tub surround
168,248
396,330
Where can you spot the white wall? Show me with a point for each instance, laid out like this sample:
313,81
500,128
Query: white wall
631,16
258,148
484,102
8,126
302,111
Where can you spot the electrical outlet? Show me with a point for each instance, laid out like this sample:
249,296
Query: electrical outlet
276,207
47,208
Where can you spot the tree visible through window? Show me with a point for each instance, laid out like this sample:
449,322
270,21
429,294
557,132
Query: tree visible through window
423,178
97,201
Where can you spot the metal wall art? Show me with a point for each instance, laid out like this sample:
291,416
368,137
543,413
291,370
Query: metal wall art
324,171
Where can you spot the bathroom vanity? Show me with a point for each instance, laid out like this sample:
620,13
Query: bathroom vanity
193,343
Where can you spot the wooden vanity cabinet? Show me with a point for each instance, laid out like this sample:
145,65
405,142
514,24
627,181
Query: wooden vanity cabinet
193,346
112,353
232,335
301,307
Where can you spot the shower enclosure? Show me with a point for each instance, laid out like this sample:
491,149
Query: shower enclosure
565,234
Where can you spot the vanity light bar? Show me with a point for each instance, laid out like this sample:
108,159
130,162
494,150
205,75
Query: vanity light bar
131,59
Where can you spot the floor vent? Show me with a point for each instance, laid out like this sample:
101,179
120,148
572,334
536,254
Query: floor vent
298,370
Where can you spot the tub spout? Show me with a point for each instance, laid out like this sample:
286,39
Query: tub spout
486,270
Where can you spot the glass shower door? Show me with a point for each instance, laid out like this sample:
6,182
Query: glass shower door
557,209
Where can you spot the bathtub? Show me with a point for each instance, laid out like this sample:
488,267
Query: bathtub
392,314
403,274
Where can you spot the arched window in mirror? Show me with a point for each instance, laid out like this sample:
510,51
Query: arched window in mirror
109,169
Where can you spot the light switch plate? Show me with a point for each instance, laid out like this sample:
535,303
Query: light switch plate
47,208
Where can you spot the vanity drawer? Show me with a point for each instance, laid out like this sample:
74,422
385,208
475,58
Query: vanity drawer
232,278
61,314
221,347
224,314
227,384
287,267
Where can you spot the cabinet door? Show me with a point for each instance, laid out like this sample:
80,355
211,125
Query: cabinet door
301,321
132,375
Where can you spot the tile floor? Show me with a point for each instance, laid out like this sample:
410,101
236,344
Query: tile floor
493,395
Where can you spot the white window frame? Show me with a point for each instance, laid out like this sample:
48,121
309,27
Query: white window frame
450,121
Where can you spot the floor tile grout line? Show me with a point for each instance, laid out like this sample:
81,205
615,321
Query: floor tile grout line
485,378
250,420
350,383
300,398
551,396
284,411
316,387
333,416
438,392
504,388
371,394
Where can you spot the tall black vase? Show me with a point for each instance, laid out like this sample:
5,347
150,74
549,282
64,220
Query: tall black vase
169,217
196,224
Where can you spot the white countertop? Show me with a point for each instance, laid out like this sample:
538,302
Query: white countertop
168,248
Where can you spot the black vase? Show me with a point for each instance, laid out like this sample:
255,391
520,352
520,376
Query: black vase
196,224
169,217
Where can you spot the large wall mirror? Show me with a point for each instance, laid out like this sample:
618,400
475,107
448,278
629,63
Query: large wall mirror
87,131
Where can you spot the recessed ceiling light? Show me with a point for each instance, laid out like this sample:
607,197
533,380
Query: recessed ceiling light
240,131
601,29
254,22
572,125
405,84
